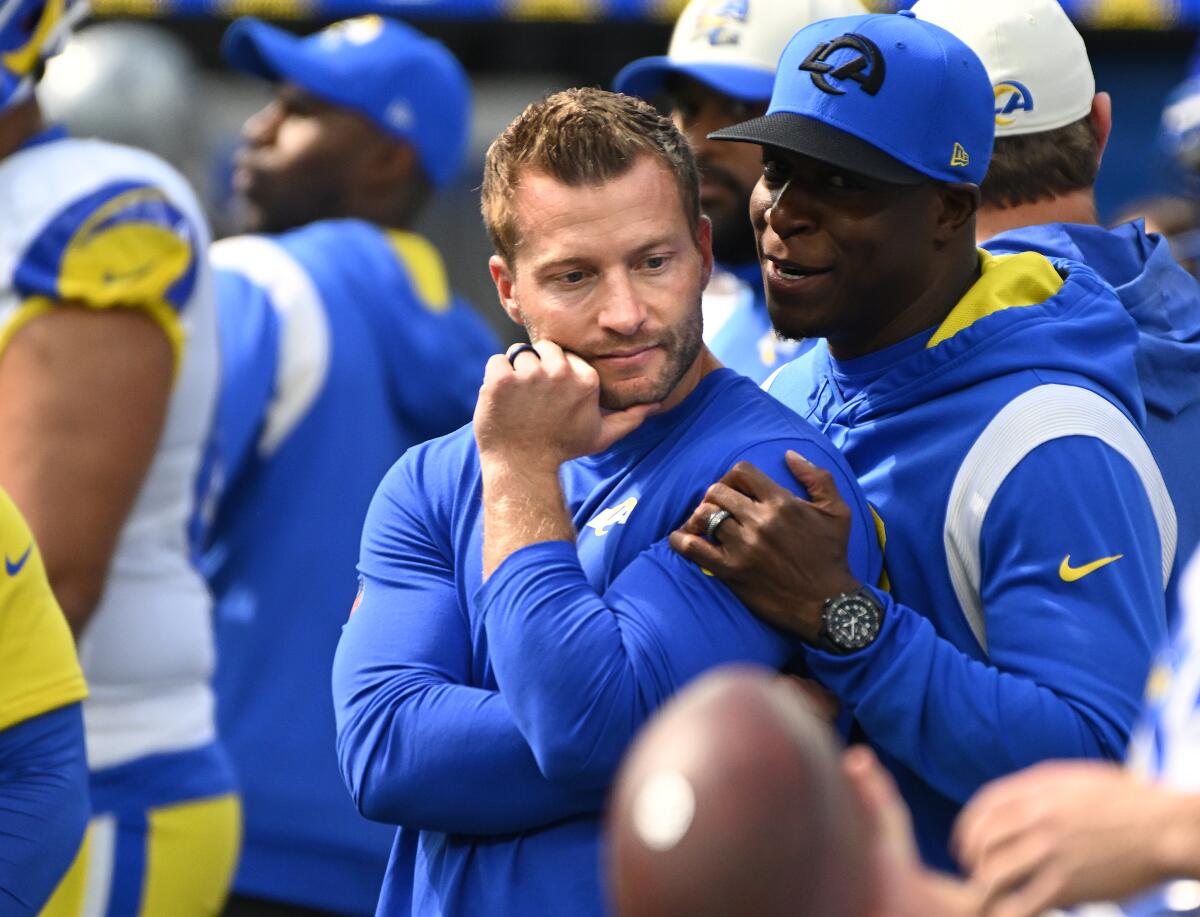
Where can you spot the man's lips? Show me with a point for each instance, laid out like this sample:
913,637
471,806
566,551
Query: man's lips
785,272
630,356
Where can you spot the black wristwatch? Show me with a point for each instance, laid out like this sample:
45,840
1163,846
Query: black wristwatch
850,621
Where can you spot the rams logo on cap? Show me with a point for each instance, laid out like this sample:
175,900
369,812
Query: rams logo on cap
717,23
1011,96
865,68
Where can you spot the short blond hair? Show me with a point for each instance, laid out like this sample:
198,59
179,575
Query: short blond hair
581,137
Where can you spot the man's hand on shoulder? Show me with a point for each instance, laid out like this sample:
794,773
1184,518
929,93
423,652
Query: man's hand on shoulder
539,406
783,556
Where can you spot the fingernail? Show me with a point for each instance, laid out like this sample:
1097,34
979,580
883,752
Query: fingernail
799,456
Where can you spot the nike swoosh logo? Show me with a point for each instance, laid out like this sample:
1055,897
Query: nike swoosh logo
14,567
1070,574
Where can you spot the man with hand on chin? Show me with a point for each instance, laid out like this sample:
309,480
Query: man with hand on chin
521,614
990,409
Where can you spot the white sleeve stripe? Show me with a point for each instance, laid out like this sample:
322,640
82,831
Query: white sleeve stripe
304,339
1038,416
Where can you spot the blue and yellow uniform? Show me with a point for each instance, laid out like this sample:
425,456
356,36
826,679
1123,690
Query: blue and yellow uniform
342,345
488,720
98,226
43,769
1166,743
1029,533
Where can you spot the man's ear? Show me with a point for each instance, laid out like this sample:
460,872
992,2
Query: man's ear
504,279
704,234
958,202
1101,118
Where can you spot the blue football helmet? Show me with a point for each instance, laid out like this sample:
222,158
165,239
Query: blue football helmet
30,32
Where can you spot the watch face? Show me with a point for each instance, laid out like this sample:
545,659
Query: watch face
853,622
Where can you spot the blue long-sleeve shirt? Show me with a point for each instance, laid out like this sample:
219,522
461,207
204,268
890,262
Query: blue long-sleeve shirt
489,720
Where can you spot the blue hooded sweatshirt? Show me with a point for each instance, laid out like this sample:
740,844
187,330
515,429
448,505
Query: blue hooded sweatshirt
1164,300
1029,535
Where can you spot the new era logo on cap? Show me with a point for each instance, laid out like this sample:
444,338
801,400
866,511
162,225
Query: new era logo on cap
867,68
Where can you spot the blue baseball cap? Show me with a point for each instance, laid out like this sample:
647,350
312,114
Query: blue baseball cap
408,84
888,96
731,46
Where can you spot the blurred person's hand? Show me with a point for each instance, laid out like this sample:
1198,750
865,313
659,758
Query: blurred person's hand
904,886
1064,833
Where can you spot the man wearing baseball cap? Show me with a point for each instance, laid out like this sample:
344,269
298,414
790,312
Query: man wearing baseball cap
990,409
1039,195
718,71
342,345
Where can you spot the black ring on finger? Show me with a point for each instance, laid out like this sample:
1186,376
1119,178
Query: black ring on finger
520,349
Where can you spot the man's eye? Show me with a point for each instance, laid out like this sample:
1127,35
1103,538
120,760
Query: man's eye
654,262
773,171
572,277
843,181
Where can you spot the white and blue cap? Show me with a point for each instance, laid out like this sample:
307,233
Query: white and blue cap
887,96
408,84
731,46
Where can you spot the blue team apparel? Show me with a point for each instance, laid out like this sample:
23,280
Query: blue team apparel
737,328
1029,533
488,721
407,83
1164,300
342,346
885,95
45,805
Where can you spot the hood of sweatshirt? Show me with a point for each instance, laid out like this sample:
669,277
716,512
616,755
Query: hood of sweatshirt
1162,298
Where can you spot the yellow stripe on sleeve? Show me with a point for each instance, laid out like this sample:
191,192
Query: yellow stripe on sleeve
39,671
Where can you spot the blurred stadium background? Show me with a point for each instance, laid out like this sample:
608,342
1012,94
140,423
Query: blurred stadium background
147,72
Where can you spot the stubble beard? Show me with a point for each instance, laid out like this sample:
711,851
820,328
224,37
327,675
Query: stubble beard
680,344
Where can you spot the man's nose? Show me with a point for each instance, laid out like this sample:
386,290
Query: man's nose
260,127
623,310
790,210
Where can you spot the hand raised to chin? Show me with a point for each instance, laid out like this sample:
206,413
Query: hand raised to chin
542,408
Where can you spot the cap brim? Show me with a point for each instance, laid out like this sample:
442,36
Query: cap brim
260,49
810,137
647,78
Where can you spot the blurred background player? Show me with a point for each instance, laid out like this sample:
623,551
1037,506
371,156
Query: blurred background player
1070,832
733,800
43,769
718,71
342,345
108,374
1039,195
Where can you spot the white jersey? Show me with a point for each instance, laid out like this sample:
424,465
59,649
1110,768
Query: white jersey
1166,746
104,226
